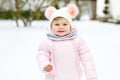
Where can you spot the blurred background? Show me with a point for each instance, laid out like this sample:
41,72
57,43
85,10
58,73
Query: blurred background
30,10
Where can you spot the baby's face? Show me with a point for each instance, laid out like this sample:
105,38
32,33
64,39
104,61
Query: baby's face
60,27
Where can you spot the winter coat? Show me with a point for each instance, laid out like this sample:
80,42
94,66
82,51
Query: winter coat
65,56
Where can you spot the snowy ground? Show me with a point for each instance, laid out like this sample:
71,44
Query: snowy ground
18,49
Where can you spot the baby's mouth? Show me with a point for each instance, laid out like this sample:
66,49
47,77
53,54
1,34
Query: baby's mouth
61,31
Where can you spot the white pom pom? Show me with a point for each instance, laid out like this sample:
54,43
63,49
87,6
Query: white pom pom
73,10
49,11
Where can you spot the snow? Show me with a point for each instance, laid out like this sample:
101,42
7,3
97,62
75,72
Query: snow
18,48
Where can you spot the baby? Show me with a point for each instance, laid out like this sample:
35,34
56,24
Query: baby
62,51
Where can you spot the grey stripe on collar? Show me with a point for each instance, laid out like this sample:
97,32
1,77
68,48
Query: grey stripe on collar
71,35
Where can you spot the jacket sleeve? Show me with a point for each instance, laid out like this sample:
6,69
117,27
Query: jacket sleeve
43,55
87,61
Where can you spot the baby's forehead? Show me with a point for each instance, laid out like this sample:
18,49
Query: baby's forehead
60,20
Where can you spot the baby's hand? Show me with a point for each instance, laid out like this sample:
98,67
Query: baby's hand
48,68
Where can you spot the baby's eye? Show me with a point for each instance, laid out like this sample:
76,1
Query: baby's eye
56,24
65,24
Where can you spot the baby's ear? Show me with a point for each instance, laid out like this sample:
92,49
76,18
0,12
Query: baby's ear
73,10
49,11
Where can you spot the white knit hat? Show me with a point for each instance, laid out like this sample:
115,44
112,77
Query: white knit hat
69,12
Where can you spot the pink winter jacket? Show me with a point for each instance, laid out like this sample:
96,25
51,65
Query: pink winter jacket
65,56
